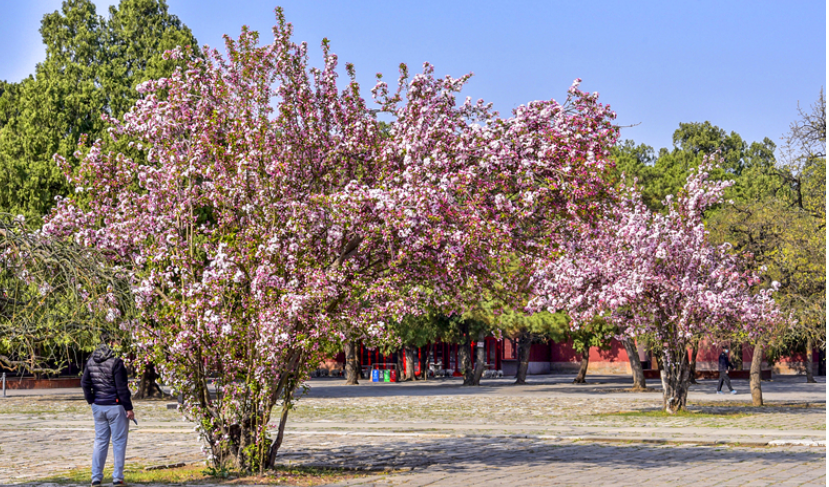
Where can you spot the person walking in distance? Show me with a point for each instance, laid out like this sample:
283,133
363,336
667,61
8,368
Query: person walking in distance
104,386
724,365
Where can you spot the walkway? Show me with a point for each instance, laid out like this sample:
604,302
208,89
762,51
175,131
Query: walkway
549,432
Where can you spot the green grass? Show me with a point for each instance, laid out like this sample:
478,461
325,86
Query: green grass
679,414
188,473
767,404
199,474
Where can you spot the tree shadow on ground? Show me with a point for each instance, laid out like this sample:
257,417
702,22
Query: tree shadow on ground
476,452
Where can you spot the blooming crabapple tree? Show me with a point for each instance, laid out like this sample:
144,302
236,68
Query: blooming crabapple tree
264,213
657,275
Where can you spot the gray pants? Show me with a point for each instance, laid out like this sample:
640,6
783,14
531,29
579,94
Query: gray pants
110,422
724,378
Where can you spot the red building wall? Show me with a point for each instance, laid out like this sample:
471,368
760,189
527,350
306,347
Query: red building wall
560,357
612,361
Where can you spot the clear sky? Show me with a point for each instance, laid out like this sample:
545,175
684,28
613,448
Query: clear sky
742,65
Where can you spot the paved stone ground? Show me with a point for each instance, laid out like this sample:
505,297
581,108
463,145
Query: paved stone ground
574,412
449,435
530,462
493,462
27,454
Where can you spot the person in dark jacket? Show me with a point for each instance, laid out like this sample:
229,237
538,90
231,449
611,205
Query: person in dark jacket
104,385
724,365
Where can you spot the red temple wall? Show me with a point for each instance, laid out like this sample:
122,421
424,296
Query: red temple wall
561,357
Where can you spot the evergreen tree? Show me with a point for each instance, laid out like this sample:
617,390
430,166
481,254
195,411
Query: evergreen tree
138,34
92,66
778,218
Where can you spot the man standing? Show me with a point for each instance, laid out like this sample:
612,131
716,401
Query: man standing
724,365
104,385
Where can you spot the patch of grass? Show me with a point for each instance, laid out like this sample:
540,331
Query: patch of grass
305,476
767,404
132,474
37,409
629,389
198,474
679,414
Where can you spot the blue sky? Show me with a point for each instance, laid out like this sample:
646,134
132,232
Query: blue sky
741,65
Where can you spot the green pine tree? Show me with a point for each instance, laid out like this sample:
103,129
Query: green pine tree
92,66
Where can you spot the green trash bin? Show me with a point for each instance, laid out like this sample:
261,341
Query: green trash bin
386,376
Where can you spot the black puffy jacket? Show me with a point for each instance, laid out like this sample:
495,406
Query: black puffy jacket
725,364
104,380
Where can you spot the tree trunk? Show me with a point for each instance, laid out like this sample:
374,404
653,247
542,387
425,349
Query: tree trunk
585,361
737,356
411,354
756,363
694,352
285,388
277,443
657,359
524,344
147,385
424,362
465,358
635,365
810,373
401,359
675,371
480,359
352,363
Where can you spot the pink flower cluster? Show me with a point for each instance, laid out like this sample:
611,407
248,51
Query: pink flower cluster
657,274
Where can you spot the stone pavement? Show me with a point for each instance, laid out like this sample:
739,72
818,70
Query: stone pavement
27,454
528,462
781,388
487,462
547,433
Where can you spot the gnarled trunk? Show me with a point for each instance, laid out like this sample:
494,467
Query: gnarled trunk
480,359
238,437
400,363
284,389
694,352
241,441
524,344
754,383
585,361
810,373
465,359
675,371
274,448
411,355
352,363
737,356
635,365
424,362
147,385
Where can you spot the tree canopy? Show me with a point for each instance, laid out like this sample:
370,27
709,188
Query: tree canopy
271,213
55,296
92,67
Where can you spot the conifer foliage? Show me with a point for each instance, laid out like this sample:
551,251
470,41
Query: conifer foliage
92,66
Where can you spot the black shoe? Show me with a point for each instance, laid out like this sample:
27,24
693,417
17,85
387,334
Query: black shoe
119,482
96,483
